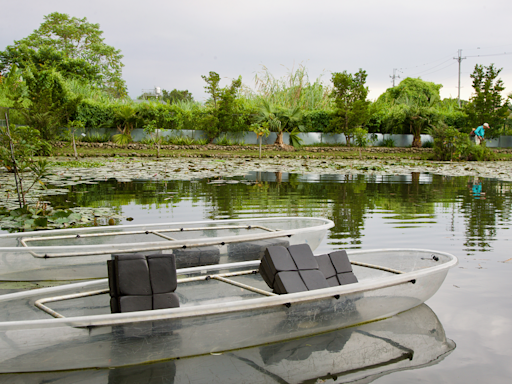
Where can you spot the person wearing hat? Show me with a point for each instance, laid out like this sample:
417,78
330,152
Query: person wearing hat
480,133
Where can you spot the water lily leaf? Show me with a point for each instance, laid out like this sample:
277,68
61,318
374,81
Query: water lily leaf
59,214
75,217
41,222
62,220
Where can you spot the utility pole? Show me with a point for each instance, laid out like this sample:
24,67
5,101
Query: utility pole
459,59
395,76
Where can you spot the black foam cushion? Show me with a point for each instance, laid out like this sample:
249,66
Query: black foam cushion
135,303
277,259
132,276
340,261
325,266
162,273
196,256
347,278
333,281
165,300
253,250
303,256
289,282
313,279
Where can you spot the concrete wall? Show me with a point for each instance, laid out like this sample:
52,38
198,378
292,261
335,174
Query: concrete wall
309,138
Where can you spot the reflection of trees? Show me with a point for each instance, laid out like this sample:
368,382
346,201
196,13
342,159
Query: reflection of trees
347,200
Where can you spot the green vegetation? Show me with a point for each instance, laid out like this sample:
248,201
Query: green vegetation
351,106
63,75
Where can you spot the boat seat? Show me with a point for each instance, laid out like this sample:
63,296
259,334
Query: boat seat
196,256
291,269
141,282
336,268
252,250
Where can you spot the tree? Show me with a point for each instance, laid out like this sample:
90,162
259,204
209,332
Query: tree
351,107
487,105
41,96
18,145
279,119
222,116
411,106
176,95
212,87
75,39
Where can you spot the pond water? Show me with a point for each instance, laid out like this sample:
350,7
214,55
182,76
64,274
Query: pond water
468,217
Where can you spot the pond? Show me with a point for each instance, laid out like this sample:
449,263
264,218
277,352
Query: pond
466,216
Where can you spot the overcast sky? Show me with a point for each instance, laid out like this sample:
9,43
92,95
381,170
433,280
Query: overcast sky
170,44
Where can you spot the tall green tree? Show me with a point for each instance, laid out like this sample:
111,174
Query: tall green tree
411,106
222,116
487,105
212,87
42,97
351,106
75,39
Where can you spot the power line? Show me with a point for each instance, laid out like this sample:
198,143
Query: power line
426,70
493,54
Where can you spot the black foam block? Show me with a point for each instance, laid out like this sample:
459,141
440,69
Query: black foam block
333,281
347,278
252,250
325,266
135,303
340,261
313,279
132,276
303,256
196,256
162,273
289,282
112,279
165,300
114,305
266,273
278,260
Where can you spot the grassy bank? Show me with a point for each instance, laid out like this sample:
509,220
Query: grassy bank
250,151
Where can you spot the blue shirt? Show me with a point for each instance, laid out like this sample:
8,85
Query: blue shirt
480,131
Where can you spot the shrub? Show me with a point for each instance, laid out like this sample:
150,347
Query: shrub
388,142
450,144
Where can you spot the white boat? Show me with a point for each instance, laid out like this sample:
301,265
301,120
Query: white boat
222,308
80,253
410,340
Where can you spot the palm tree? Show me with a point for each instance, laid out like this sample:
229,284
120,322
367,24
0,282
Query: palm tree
279,120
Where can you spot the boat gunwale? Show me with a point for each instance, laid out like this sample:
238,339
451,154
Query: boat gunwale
227,307
161,245
326,222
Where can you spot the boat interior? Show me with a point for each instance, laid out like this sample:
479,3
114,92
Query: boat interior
141,282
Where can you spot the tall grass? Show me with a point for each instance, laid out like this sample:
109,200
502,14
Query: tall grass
293,90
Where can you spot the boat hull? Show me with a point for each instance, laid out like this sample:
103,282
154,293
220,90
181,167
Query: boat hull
412,339
144,337
83,256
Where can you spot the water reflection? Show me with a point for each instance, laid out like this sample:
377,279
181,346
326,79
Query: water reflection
412,339
351,201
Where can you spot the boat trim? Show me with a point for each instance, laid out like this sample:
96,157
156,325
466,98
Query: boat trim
212,309
147,232
220,277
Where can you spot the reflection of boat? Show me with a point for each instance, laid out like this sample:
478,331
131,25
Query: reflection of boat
223,307
74,254
411,339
